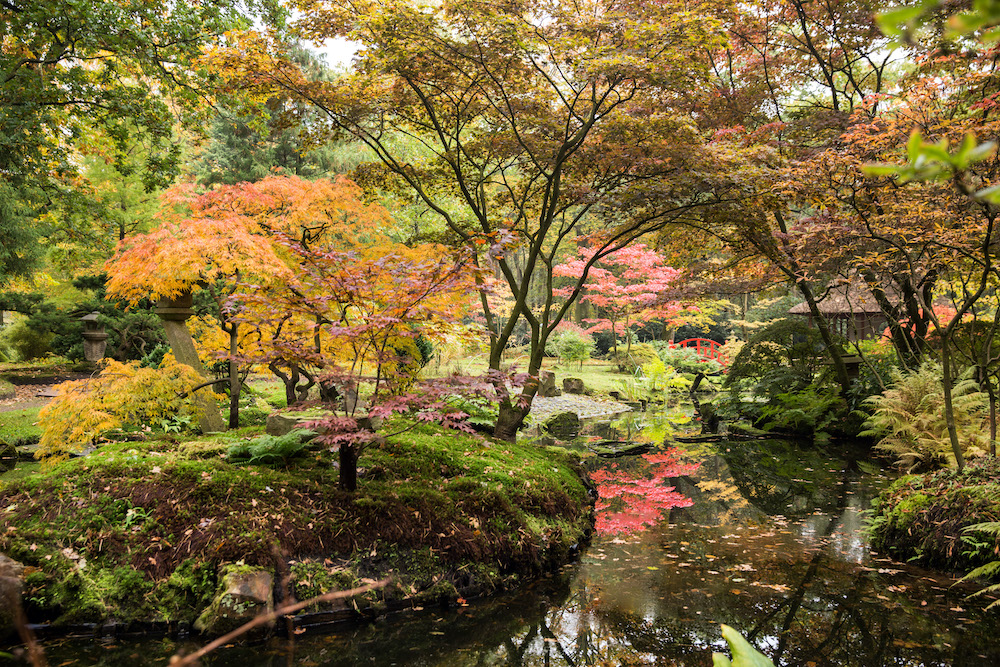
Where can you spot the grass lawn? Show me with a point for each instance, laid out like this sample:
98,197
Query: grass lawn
19,426
598,375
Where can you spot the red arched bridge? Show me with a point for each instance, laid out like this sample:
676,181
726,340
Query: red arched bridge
705,348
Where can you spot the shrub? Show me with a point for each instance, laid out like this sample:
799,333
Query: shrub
910,422
27,343
123,395
660,377
572,345
814,409
686,360
636,357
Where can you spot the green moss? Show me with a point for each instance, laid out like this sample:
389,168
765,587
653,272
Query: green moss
439,511
922,518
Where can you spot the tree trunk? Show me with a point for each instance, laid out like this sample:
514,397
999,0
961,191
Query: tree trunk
348,480
235,386
832,348
949,407
290,380
513,411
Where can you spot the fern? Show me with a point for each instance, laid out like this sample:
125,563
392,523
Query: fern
990,570
270,449
909,417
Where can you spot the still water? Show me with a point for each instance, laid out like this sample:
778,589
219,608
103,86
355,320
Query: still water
770,542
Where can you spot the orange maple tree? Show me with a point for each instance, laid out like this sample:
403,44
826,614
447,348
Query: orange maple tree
219,239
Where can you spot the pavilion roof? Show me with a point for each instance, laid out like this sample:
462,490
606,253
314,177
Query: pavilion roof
846,299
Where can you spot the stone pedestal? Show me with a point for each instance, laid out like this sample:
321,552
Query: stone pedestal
174,314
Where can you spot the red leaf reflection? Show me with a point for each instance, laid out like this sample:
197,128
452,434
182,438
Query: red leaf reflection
633,500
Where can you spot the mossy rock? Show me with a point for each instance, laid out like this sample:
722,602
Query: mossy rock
245,593
563,425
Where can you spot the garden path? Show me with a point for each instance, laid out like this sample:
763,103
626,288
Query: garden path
584,406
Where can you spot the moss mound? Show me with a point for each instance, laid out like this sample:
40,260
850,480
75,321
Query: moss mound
921,518
138,531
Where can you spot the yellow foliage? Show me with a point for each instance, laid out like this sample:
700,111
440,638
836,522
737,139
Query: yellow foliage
122,395
400,374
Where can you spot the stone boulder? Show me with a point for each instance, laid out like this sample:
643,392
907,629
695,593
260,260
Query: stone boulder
280,423
547,385
243,594
562,425
574,386
11,587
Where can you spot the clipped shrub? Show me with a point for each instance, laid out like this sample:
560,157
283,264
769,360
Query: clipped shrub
909,418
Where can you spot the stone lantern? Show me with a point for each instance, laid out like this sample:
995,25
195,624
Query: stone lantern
95,340
176,309
174,312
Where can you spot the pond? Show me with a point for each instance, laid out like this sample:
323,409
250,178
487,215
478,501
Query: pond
764,536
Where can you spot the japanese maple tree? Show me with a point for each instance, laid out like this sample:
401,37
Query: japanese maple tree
626,287
534,124
369,306
218,239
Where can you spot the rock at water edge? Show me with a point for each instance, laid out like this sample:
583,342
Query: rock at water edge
563,425
11,586
245,593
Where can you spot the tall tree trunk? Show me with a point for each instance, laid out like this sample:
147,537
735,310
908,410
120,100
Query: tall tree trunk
235,386
832,347
949,406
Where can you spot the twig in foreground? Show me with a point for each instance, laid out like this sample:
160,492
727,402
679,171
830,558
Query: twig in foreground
187,660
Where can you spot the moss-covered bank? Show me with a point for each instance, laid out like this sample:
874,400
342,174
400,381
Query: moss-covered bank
921,518
140,531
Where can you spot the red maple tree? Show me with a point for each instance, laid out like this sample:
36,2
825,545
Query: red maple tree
626,287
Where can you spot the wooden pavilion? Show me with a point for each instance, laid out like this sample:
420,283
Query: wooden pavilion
851,311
